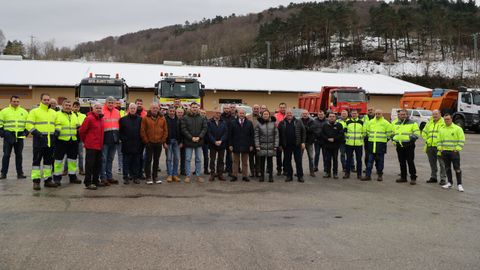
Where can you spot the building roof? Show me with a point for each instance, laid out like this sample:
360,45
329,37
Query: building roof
62,73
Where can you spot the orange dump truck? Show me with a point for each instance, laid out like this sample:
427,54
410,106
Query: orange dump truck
462,104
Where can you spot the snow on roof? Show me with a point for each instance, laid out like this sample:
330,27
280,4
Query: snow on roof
62,73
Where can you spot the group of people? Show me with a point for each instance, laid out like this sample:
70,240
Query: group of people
229,143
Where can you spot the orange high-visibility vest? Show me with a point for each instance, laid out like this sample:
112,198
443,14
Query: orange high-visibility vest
110,119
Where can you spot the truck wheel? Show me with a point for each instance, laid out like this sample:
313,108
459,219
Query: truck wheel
422,125
459,121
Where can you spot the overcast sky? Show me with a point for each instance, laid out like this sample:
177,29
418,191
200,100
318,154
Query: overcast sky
69,22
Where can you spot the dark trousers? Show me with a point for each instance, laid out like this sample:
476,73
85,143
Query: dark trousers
367,152
205,158
93,162
216,161
280,163
452,158
343,157
378,158
406,155
228,161
154,150
254,162
7,151
350,150
331,154
296,151
262,161
45,154
319,149
62,148
132,165
182,160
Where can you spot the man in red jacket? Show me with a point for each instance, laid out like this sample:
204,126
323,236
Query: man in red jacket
91,133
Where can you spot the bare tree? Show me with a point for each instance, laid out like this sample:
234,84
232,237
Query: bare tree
2,41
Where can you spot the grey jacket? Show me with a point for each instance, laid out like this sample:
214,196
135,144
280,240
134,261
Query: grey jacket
266,137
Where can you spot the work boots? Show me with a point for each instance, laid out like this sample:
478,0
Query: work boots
36,186
49,183
380,177
401,180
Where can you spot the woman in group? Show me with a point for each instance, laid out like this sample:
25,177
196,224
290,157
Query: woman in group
266,143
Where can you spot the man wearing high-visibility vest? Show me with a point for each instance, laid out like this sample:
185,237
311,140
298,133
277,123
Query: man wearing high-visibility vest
451,140
430,136
12,128
66,124
378,131
369,116
354,140
343,157
405,133
41,124
111,118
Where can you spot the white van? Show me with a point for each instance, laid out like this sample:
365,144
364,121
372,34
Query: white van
419,116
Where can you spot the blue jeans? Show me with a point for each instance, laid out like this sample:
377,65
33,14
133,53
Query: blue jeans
309,148
108,155
379,160
173,156
120,156
198,162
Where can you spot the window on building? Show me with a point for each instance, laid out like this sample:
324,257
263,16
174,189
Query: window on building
229,101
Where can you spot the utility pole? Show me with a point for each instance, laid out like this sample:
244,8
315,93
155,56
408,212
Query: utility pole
32,53
268,53
475,52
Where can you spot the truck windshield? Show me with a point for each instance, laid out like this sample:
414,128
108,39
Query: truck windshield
180,90
350,96
101,91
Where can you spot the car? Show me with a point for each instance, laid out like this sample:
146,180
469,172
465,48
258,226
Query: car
419,116
297,113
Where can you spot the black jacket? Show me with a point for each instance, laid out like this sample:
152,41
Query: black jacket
174,131
130,134
308,124
241,137
317,126
334,131
193,125
300,132
217,133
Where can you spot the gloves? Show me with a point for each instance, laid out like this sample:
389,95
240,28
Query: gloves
56,133
2,133
36,133
25,133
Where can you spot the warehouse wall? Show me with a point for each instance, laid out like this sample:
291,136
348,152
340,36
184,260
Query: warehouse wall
30,97
385,103
212,100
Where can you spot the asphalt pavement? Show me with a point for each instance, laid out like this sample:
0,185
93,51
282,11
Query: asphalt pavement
319,224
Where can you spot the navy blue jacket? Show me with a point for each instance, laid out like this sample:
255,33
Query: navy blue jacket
241,138
217,133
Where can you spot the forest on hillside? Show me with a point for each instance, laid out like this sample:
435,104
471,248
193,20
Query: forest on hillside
298,36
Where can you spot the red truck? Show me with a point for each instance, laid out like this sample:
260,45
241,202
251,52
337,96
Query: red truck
334,99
